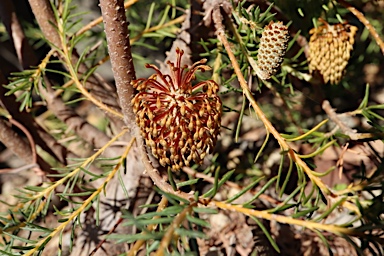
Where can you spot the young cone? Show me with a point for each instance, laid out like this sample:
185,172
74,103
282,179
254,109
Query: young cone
273,44
178,120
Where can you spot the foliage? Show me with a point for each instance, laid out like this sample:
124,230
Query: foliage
284,156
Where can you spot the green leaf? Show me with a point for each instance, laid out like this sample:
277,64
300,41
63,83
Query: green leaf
197,221
261,191
19,238
205,210
364,102
213,190
18,248
127,238
188,183
190,233
245,190
267,234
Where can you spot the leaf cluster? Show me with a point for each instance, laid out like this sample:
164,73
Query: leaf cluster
291,189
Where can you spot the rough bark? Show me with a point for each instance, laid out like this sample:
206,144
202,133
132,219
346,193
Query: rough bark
15,31
116,30
19,146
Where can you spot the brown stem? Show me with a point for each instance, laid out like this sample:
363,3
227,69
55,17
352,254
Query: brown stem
97,21
46,19
100,244
169,235
14,142
81,127
32,144
15,31
116,30
20,147
29,137
353,134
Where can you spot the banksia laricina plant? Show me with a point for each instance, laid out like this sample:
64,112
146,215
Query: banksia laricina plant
273,44
178,120
330,49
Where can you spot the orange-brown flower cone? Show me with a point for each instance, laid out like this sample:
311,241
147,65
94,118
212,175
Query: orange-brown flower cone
179,121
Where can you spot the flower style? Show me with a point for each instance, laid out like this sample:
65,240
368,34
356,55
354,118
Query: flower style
178,120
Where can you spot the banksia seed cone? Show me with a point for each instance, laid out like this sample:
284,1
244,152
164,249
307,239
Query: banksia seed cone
329,50
179,121
273,44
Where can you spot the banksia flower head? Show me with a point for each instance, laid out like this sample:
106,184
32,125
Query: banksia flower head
273,44
178,120
330,49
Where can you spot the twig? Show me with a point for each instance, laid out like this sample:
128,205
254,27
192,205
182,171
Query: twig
340,162
98,246
85,204
366,23
80,126
287,220
217,18
19,169
230,184
18,146
32,144
29,137
136,247
351,133
171,229
45,17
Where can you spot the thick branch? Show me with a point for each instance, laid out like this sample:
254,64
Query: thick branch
14,142
116,30
15,31
45,18
20,147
